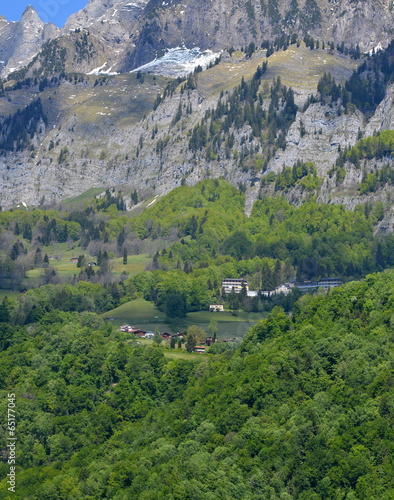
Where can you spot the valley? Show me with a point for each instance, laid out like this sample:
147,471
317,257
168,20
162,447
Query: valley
180,183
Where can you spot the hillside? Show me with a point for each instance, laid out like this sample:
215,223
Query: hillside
303,409
201,231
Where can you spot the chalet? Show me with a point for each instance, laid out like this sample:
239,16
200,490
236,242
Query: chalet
132,329
216,308
126,328
236,284
74,259
199,348
138,332
165,335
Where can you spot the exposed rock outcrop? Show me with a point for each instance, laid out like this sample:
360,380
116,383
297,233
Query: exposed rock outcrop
20,41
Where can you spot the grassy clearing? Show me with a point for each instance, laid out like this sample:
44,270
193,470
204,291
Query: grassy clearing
123,99
168,352
135,264
227,75
79,200
9,294
145,315
302,68
179,354
66,269
297,67
136,311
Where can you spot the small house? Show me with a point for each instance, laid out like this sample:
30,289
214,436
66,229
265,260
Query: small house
216,308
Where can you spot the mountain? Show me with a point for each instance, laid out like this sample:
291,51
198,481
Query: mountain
137,32
20,41
113,104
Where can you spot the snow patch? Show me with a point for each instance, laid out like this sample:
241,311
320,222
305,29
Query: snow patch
179,62
100,70
151,203
374,50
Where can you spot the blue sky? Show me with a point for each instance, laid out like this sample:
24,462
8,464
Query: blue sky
56,11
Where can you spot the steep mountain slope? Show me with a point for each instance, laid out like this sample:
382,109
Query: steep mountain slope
235,119
114,23
151,151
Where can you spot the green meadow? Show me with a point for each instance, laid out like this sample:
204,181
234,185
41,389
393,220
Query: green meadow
9,294
143,314
66,269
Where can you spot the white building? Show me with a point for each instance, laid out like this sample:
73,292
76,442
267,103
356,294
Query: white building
235,284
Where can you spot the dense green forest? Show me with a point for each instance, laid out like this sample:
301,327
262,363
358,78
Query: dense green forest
301,410
196,237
